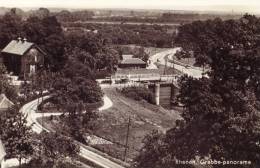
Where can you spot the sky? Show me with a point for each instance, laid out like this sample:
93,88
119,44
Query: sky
251,6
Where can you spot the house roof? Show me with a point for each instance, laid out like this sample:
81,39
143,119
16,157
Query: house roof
127,56
17,47
2,151
133,61
5,103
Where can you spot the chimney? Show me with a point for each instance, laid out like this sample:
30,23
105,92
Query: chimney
24,40
19,39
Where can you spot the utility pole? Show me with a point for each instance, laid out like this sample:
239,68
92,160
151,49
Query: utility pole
42,83
173,58
127,137
165,66
203,70
173,63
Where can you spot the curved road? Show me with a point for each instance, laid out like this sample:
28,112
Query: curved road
160,58
30,109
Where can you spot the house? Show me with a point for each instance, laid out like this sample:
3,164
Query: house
22,58
5,103
129,62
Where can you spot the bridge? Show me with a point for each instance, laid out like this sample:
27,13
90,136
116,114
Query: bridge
144,80
140,78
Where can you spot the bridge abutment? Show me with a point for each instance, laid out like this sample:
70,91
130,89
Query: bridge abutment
157,94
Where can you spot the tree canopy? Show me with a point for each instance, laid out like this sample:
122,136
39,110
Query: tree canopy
5,86
15,134
221,116
204,36
53,150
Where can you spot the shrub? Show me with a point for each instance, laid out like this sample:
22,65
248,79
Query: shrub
138,93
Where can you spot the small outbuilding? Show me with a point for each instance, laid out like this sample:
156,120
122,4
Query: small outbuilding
129,62
5,103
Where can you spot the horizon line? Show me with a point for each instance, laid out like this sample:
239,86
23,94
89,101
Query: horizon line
208,11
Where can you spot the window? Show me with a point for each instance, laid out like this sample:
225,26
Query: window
32,69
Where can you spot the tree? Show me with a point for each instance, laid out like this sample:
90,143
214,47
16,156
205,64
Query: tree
5,86
152,152
55,47
140,53
15,134
52,150
80,57
76,89
41,13
47,33
204,36
10,28
93,51
107,59
73,96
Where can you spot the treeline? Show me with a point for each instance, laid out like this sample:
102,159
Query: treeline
202,37
190,17
168,17
67,16
178,18
123,34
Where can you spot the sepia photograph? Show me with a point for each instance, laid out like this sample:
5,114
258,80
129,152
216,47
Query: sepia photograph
129,84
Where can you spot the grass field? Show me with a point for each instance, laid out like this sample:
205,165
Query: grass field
144,118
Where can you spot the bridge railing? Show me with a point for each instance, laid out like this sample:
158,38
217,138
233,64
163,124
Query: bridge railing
129,76
142,76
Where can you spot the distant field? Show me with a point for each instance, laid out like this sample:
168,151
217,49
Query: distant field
128,23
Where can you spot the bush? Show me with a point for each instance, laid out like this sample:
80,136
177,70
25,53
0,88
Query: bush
138,93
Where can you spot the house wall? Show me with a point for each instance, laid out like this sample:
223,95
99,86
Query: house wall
32,58
12,63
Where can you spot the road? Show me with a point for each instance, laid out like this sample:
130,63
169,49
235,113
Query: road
30,109
161,57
